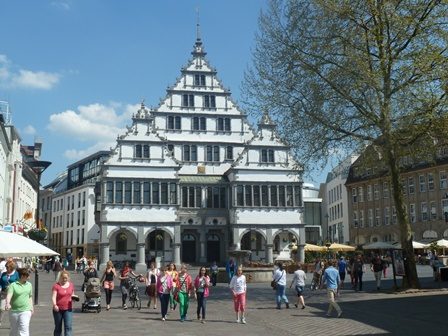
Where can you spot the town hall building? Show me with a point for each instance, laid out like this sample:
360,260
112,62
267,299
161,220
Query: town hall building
191,180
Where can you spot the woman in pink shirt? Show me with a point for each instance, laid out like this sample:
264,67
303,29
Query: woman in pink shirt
164,286
63,291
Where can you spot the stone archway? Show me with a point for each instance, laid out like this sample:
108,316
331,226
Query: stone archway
282,242
123,245
157,246
254,241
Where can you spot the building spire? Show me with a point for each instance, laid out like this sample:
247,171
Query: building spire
198,26
198,49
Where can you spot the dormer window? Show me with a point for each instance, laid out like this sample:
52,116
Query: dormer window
212,153
141,151
229,153
190,153
187,100
199,124
209,101
173,123
199,80
267,155
223,124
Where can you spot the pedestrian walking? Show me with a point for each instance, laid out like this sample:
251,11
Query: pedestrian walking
124,283
377,267
201,286
238,287
164,287
299,284
151,283
19,301
358,270
184,287
63,292
342,266
57,268
214,269
279,277
173,274
332,280
108,282
7,277
231,266
89,272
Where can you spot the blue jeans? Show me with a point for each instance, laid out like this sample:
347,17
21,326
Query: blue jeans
67,317
201,304
280,295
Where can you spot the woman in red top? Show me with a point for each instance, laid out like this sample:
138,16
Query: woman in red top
63,291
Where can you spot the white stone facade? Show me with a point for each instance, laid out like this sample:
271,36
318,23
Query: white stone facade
191,179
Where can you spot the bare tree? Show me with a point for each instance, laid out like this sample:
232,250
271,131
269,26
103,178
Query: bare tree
343,74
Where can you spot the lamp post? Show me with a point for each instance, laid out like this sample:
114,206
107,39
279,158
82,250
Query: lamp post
38,167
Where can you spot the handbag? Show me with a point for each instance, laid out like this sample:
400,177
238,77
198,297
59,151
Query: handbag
274,283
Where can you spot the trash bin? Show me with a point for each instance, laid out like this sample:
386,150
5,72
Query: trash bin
444,274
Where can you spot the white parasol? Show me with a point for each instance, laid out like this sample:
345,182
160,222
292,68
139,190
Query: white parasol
15,245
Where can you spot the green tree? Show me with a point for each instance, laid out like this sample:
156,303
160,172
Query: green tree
338,75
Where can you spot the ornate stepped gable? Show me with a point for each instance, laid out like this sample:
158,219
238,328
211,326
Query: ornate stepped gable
131,150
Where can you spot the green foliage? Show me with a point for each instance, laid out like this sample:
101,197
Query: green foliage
339,75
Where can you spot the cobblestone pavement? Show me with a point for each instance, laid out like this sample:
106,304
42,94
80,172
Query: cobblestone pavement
369,312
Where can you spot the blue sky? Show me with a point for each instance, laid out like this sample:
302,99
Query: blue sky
73,71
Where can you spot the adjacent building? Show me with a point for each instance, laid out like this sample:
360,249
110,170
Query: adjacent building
372,213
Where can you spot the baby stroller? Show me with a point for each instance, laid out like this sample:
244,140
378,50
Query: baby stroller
92,293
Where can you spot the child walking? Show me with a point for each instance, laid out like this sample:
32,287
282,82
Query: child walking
238,287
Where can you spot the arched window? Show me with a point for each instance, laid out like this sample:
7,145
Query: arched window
121,243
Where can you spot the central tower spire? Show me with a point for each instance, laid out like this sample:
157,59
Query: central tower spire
198,50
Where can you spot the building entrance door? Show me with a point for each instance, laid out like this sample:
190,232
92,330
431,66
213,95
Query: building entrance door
189,248
213,248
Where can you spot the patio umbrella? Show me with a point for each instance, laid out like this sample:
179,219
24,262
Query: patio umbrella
380,246
314,248
443,243
15,245
415,245
341,247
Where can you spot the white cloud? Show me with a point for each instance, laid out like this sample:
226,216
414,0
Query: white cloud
62,4
10,77
95,123
29,130
78,154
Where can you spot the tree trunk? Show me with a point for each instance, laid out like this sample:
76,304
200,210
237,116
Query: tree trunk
411,278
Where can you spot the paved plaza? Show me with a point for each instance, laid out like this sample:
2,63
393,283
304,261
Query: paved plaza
364,313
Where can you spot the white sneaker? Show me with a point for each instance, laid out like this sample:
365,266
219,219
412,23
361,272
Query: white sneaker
243,320
237,320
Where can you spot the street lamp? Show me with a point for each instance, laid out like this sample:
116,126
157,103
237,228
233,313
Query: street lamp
38,167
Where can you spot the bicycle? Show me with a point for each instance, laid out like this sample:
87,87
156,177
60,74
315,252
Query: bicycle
315,283
134,293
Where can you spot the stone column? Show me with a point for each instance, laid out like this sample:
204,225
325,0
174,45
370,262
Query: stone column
177,260
140,267
301,244
236,239
104,256
269,253
202,242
